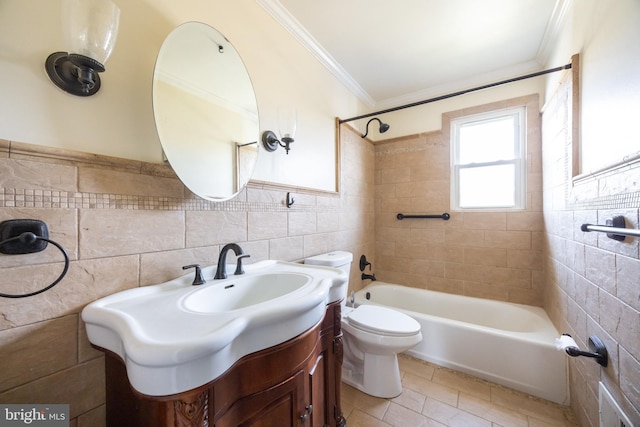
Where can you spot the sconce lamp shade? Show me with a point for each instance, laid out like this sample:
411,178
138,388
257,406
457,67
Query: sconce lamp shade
91,27
90,30
287,123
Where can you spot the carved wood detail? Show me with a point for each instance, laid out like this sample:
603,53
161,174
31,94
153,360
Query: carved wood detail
337,320
192,412
338,348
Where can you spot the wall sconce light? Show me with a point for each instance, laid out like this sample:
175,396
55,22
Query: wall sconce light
287,123
383,127
90,29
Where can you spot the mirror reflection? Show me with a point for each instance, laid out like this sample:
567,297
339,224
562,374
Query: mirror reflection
205,111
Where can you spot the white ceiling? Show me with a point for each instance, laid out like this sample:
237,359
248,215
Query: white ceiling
390,53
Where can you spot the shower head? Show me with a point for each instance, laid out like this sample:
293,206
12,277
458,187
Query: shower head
383,127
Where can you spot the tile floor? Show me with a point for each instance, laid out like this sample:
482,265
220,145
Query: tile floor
435,396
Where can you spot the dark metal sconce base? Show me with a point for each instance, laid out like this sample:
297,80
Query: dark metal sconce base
270,141
65,71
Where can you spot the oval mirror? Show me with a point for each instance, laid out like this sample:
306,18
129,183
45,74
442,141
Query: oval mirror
205,111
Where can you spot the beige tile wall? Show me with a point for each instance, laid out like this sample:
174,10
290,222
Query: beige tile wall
592,282
495,255
127,224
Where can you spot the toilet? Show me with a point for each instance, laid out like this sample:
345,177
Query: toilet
373,337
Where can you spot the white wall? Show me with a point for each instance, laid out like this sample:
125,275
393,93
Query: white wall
118,120
606,34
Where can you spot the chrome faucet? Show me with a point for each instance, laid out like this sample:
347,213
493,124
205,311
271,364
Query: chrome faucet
221,270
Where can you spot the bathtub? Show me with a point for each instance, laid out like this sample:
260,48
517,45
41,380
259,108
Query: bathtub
505,343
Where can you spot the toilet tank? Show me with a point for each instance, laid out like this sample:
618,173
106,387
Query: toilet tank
336,259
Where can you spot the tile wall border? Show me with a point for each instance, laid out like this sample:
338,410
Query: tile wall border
49,199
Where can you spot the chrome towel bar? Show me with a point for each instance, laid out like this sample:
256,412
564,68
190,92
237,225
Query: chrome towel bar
615,229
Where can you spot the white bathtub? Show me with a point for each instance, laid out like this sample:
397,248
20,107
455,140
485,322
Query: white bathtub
508,344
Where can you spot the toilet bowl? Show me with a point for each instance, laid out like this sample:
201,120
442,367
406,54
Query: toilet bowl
373,336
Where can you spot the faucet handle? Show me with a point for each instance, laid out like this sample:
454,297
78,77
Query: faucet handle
364,263
198,279
239,269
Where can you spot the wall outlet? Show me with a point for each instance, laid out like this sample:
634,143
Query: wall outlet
611,414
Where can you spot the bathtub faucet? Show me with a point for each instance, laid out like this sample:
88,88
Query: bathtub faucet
369,276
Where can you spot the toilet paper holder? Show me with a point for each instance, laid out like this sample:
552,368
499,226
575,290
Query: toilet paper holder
598,351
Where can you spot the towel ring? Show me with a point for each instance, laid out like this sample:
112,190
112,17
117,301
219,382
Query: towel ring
28,238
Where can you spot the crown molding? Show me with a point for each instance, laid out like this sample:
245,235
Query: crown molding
553,30
293,26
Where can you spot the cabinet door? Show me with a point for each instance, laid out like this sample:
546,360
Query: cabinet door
279,406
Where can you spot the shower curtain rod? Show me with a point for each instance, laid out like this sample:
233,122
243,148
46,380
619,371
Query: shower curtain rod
462,92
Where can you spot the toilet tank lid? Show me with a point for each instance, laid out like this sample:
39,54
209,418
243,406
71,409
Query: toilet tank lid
330,259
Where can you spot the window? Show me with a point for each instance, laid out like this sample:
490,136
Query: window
488,161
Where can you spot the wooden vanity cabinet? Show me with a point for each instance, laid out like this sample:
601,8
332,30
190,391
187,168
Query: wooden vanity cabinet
296,383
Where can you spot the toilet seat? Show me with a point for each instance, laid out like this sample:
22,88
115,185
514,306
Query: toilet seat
382,321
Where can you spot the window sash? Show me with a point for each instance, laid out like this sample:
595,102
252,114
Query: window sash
513,138
517,188
518,161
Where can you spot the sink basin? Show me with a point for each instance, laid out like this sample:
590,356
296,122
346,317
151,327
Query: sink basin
175,337
242,292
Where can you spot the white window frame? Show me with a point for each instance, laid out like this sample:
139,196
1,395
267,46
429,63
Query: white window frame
519,161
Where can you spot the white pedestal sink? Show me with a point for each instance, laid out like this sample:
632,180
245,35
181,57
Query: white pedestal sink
174,337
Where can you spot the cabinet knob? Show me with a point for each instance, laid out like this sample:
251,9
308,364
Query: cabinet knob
303,417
